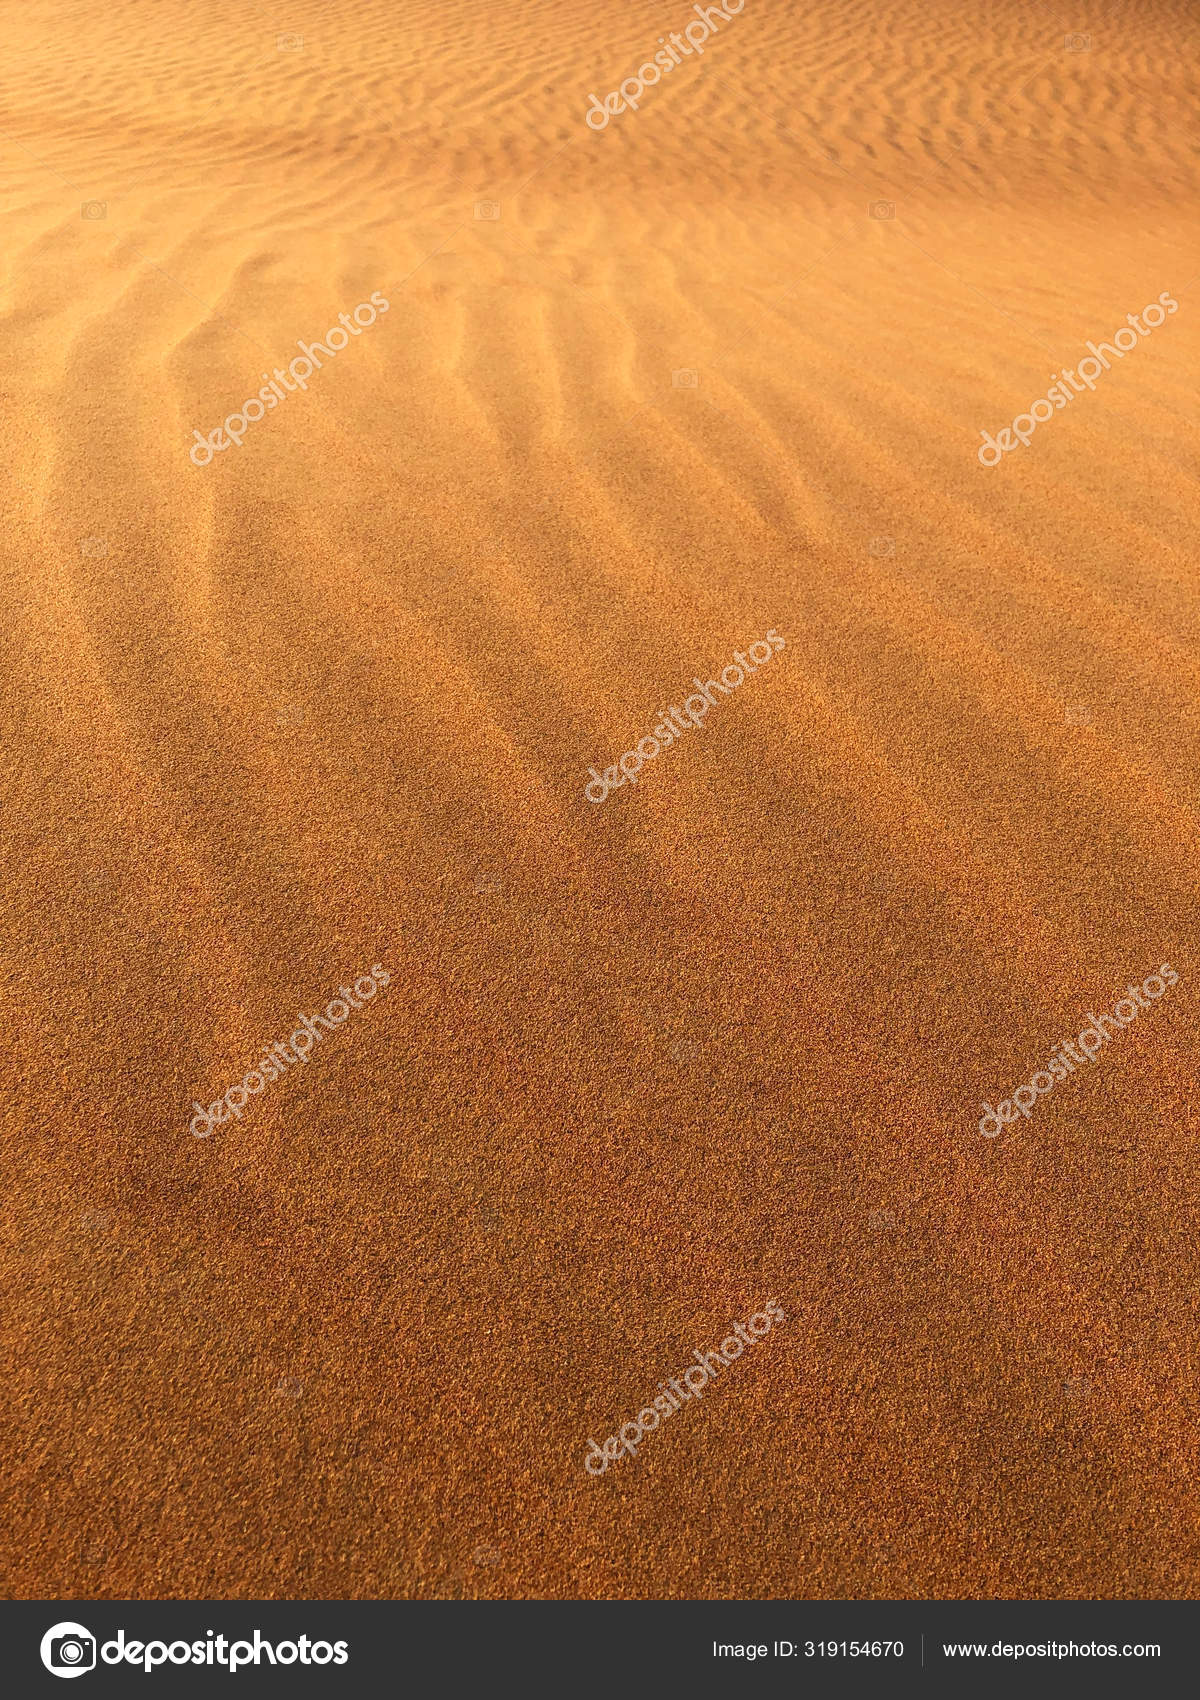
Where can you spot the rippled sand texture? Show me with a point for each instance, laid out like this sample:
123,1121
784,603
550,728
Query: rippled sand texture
331,700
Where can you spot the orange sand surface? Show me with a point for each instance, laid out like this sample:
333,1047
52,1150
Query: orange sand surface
331,700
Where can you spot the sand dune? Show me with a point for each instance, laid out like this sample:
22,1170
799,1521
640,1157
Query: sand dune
331,700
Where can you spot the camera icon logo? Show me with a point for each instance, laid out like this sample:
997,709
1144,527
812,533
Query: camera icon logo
881,547
288,43
1079,44
685,379
68,1649
93,209
882,209
487,209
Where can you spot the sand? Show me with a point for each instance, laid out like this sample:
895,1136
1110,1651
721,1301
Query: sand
331,700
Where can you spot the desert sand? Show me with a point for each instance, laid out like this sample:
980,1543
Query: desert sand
331,700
